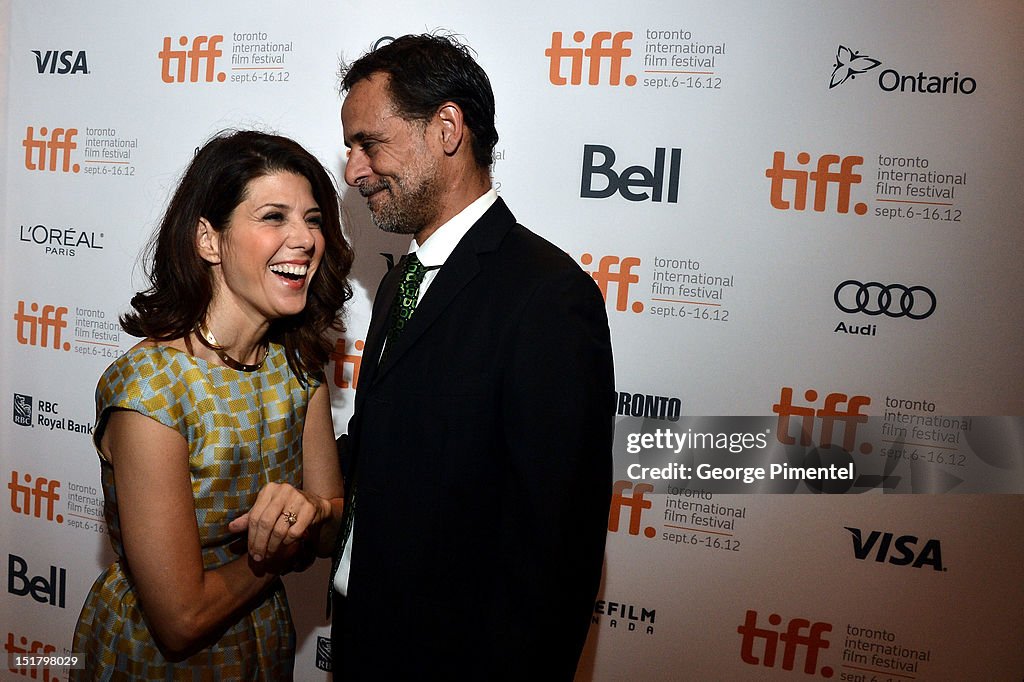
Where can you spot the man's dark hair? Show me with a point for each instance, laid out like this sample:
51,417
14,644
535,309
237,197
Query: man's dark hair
425,71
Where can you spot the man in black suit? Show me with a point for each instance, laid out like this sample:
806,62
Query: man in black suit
478,456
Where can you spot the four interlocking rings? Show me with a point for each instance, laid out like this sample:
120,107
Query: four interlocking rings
879,303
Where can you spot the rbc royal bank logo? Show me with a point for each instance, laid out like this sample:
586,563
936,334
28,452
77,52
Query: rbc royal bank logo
194,62
602,58
22,409
323,653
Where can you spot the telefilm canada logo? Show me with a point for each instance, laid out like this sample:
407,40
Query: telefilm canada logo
849,64
624,616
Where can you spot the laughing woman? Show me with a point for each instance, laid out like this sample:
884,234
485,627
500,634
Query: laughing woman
214,433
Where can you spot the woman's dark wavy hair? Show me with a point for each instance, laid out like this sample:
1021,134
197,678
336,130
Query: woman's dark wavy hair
181,282
425,71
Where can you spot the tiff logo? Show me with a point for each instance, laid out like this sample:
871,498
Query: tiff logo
22,409
203,53
593,55
827,416
36,648
822,177
34,330
792,640
47,154
612,270
343,360
29,497
636,504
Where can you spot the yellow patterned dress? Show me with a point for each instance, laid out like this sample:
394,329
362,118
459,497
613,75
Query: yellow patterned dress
231,421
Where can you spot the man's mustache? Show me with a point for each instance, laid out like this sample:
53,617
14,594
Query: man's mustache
367,188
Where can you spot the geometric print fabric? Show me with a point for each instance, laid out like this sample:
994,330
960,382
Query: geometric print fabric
231,420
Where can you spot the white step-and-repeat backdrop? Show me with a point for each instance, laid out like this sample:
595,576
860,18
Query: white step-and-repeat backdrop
804,212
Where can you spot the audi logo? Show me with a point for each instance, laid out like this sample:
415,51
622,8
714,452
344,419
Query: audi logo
875,298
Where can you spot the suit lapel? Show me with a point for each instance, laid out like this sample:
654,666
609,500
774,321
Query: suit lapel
378,330
460,269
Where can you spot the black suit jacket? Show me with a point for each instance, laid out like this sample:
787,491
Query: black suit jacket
481,452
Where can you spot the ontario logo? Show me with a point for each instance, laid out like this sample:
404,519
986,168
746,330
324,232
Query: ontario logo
849,64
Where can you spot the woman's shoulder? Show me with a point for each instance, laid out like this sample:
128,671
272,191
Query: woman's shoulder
147,368
280,370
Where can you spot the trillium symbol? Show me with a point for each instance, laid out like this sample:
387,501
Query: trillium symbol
849,64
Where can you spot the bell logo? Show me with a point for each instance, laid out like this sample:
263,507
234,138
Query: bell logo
636,504
792,639
632,177
44,591
594,55
899,551
62,62
822,177
34,330
201,57
44,154
612,270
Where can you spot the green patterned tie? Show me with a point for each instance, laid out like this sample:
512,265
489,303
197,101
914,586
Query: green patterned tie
408,292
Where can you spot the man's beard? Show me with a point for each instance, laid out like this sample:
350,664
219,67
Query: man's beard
408,212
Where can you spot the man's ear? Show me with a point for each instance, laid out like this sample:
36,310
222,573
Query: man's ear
207,242
452,127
